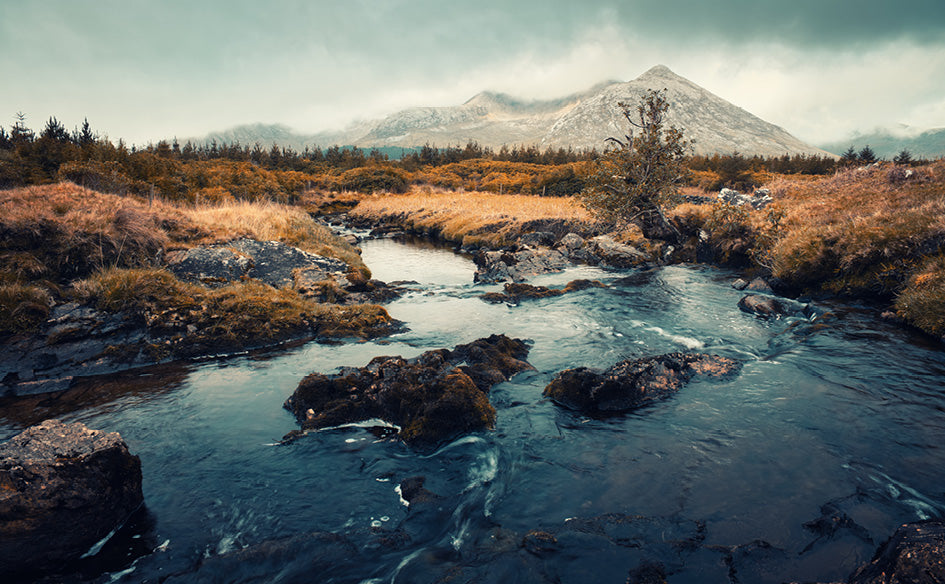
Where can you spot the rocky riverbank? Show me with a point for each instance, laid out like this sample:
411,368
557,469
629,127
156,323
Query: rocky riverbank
215,300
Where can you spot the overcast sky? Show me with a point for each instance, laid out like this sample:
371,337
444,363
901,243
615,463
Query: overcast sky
144,69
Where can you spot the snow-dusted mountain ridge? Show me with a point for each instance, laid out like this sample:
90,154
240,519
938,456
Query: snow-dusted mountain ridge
579,121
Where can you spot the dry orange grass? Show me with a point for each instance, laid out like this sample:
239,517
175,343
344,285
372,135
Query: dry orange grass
62,231
845,228
58,232
469,217
54,236
268,221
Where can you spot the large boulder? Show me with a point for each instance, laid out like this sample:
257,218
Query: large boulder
433,397
914,554
617,255
272,262
502,266
63,488
631,384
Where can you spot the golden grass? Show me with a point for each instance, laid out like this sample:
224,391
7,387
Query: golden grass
469,217
62,231
268,221
239,313
58,232
22,308
850,229
55,235
922,302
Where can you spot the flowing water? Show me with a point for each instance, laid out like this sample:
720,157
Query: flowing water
796,469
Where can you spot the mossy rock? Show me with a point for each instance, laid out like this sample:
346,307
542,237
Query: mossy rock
433,397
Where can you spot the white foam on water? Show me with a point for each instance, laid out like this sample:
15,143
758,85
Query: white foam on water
688,342
483,471
400,494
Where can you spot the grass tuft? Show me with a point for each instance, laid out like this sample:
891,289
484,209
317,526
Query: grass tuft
469,217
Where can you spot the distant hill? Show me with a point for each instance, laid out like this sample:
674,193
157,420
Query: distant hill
888,143
579,121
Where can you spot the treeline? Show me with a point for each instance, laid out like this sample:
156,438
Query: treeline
215,172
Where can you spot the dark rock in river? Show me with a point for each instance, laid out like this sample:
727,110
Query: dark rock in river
63,488
433,397
631,384
914,554
501,266
514,292
772,306
412,491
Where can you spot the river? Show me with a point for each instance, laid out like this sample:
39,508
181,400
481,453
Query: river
832,435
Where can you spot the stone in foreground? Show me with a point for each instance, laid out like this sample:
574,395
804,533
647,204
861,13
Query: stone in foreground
915,554
432,398
63,488
631,384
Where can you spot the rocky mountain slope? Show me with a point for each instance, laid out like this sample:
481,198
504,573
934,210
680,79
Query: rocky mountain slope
580,121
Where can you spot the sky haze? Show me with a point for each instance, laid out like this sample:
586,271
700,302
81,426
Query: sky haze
143,71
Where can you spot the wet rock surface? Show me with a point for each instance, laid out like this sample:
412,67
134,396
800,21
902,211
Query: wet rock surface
633,383
914,554
77,342
433,397
772,306
63,488
515,292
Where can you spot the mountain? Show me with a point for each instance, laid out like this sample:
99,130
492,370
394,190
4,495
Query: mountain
579,121
715,125
887,143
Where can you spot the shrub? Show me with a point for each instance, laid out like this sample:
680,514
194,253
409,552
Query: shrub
23,308
370,179
922,301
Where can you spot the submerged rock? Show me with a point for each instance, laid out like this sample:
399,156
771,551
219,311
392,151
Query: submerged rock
631,384
772,306
63,488
433,397
514,292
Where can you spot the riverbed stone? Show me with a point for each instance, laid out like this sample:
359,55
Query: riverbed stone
514,292
537,239
633,383
63,488
501,266
772,306
617,255
433,397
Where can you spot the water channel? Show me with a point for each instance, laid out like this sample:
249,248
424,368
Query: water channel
832,435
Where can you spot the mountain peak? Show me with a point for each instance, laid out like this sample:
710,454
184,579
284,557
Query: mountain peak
658,72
